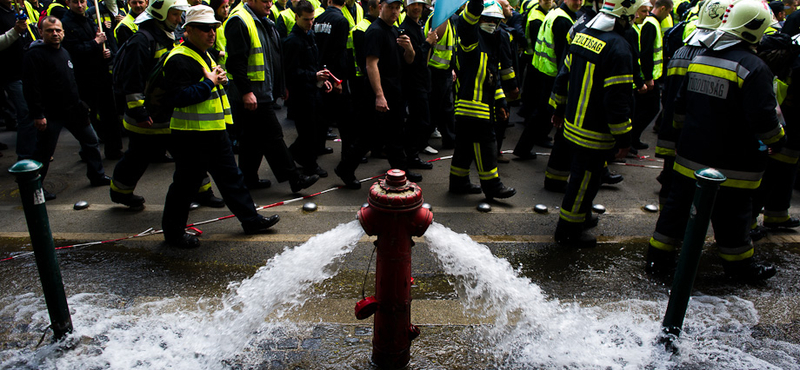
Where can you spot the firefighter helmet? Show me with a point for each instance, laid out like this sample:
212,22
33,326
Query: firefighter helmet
747,20
158,9
712,12
622,8
492,9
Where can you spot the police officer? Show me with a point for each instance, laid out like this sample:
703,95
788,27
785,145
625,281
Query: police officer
592,97
200,142
726,105
477,94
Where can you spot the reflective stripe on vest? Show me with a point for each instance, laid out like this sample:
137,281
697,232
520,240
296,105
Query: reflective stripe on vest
209,115
544,55
535,14
658,48
128,21
361,26
442,52
352,22
52,6
256,70
288,19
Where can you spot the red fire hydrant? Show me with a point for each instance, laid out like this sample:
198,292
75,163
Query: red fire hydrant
394,214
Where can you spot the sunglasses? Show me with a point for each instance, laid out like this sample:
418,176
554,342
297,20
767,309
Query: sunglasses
205,27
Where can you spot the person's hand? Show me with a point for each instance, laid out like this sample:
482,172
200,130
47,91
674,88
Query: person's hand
557,121
432,37
146,123
100,37
622,153
21,26
513,95
107,24
323,75
221,75
642,89
40,123
337,88
328,86
454,76
119,17
650,84
250,102
405,42
380,104
106,53
502,114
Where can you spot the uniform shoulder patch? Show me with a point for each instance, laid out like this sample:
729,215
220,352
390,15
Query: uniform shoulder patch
590,43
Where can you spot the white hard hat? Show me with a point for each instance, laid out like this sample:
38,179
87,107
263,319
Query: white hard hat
747,20
492,9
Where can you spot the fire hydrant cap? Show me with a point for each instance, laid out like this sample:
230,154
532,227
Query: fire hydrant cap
395,192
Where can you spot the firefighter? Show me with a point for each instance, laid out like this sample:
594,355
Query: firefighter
478,92
127,27
592,99
728,110
708,20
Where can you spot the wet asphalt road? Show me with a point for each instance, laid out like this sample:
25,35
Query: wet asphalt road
145,267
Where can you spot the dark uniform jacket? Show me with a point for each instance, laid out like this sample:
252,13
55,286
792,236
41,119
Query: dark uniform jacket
49,79
140,56
675,75
417,77
478,61
79,34
301,63
592,90
727,106
331,29
238,48
11,56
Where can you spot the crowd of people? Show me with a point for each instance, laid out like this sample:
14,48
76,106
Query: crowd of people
196,82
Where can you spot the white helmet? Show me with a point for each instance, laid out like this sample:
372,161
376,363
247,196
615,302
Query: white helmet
747,20
712,12
158,9
622,8
492,9
409,2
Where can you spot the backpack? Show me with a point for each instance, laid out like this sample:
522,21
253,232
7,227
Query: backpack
673,40
155,89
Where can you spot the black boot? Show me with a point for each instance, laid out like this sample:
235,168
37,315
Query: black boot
748,270
131,200
208,199
659,261
498,190
461,185
349,179
575,237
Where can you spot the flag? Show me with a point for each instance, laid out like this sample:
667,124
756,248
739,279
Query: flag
443,9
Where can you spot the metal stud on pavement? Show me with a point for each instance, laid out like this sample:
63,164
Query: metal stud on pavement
484,207
81,204
599,208
540,208
310,207
651,208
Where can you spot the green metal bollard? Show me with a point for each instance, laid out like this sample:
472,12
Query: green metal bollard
30,191
708,182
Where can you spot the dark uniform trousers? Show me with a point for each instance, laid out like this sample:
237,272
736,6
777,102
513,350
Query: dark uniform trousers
77,123
441,105
311,130
418,122
476,143
537,121
197,153
560,161
142,150
730,217
385,129
96,91
775,193
646,108
586,170
262,135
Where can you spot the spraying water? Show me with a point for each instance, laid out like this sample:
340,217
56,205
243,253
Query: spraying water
531,330
169,333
